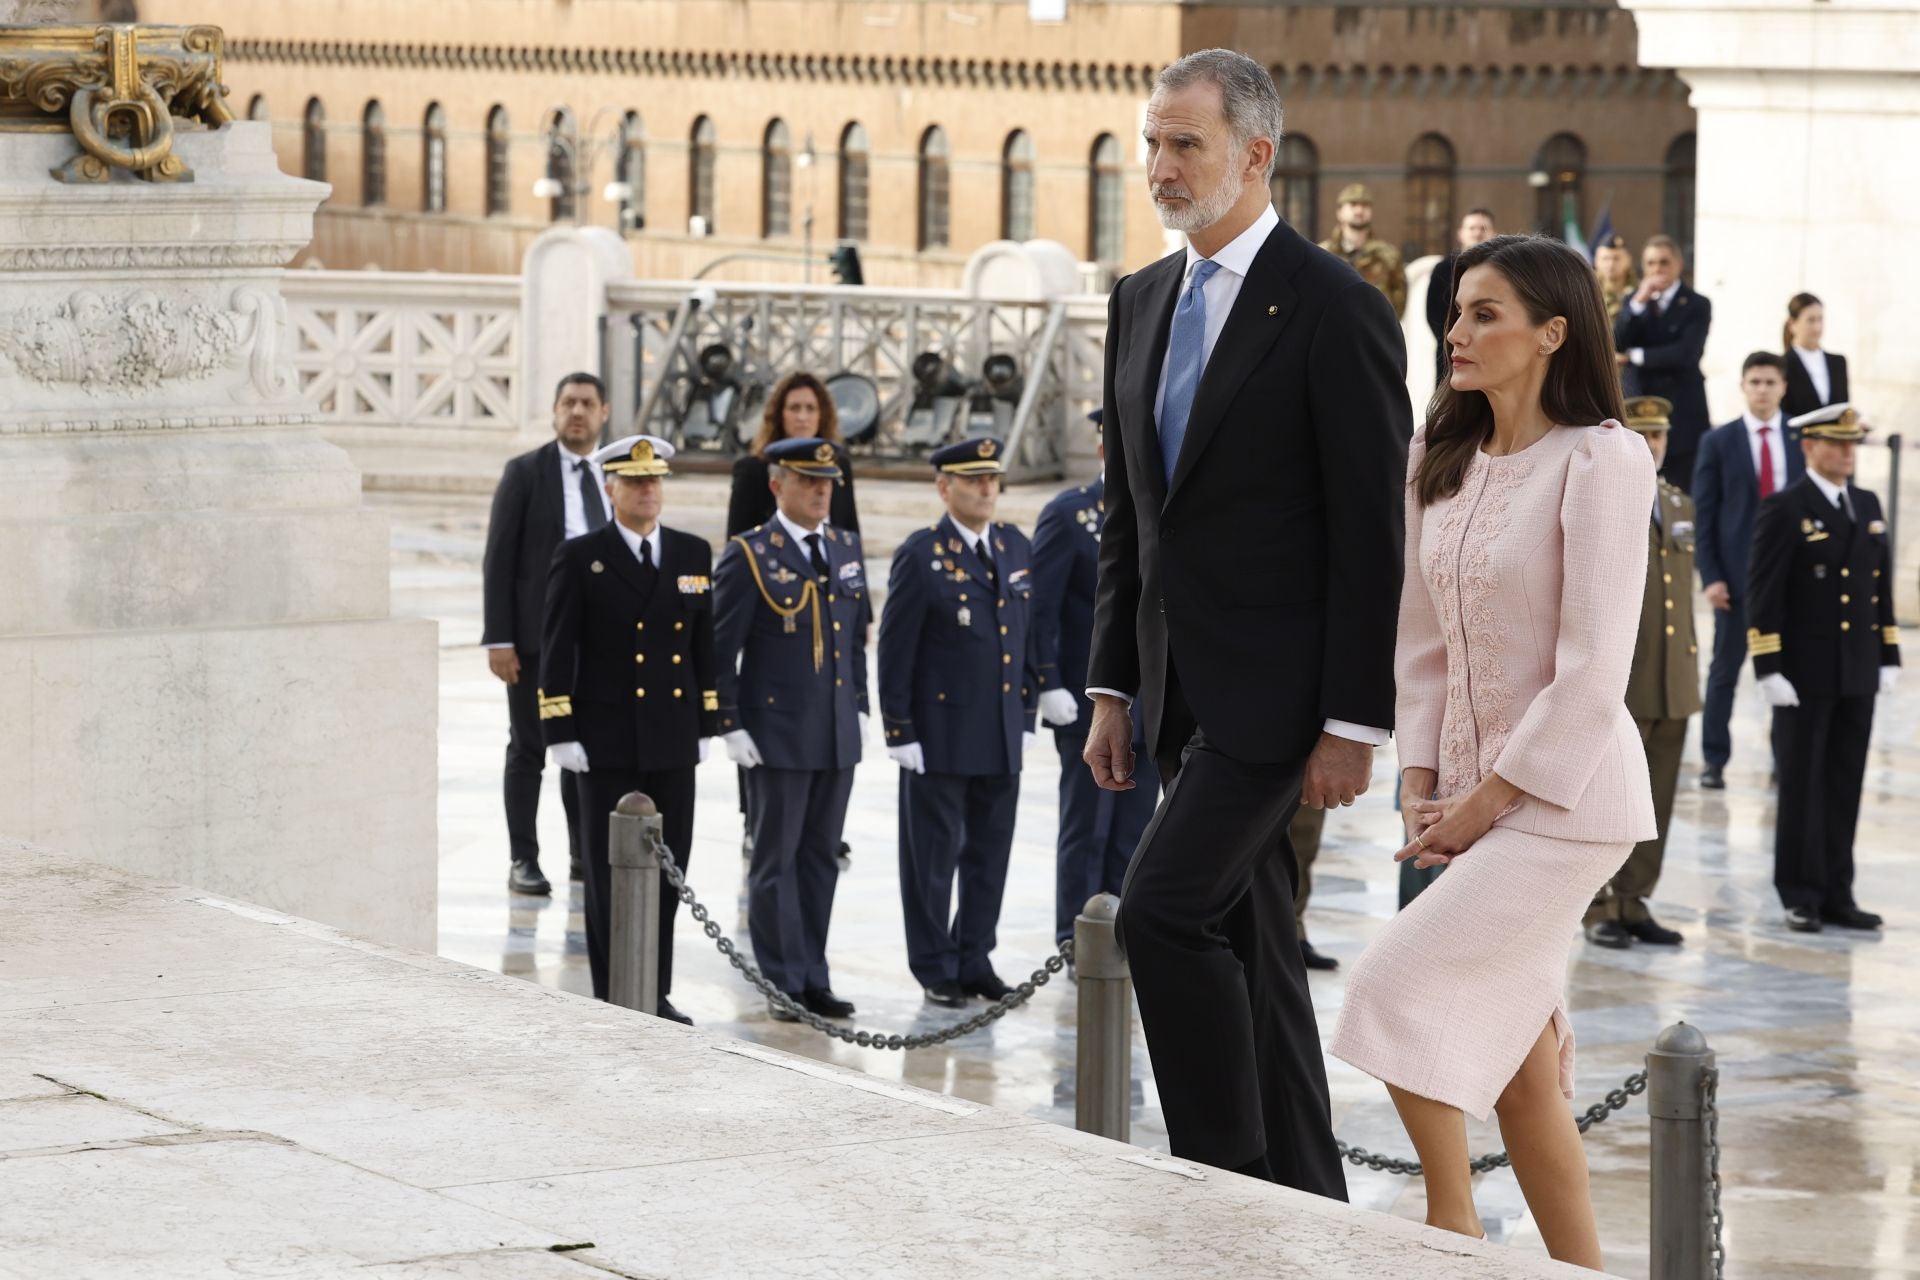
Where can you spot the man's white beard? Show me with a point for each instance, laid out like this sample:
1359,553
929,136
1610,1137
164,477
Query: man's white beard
1198,215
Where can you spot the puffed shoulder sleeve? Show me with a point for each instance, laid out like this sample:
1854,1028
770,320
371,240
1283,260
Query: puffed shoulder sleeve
1559,742
1420,651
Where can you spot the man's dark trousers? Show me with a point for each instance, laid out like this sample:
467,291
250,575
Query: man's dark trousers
526,757
1099,830
1208,925
1822,755
954,825
797,817
672,791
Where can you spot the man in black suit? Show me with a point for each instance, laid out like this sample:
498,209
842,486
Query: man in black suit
1256,422
628,693
544,497
1474,228
1741,463
1660,335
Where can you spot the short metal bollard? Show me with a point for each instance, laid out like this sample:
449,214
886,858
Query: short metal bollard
1104,1055
633,945
1681,1246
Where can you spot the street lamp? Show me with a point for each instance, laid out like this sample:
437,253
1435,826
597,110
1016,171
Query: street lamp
580,152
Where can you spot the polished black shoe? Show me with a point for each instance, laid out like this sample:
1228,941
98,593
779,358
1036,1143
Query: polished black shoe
780,1012
845,856
1653,933
577,873
947,995
1710,780
1610,934
526,878
666,1010
987,988
822,1001
1801,920
1852,918
1314,960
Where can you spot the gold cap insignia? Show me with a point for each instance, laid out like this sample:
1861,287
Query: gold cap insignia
824,453
642,452
986,448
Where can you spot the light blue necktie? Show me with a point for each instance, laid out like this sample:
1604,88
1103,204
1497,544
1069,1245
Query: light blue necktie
1186,359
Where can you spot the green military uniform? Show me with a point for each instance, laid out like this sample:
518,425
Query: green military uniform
1378,262
1664,687
1615,298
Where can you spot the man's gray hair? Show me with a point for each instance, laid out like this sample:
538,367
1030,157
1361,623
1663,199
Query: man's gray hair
1251,103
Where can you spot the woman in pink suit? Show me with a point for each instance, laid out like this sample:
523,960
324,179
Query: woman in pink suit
1527,509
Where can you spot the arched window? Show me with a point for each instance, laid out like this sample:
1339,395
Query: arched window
313,141
630,168
776,180
257,109
1430,166
433,160
1558,171
1108,212
855,153
1016,187
563,145
499,193
373,155
936,155
1677,207
1296,184
700,201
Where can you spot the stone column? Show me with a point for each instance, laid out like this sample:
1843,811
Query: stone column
203,678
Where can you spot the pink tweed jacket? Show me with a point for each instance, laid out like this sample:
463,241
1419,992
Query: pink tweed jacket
1517,624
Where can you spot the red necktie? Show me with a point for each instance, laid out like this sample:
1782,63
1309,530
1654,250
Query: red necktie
1766,464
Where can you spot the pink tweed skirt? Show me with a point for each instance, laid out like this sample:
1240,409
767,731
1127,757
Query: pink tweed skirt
1448,999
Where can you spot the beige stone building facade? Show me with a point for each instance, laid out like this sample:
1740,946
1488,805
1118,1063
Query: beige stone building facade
921,131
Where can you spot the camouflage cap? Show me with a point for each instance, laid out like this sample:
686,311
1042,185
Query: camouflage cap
1354,193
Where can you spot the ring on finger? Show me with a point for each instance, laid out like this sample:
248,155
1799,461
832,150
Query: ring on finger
1417,839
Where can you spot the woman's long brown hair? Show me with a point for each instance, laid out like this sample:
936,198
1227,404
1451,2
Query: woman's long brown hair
1583,382
1795,305
773,419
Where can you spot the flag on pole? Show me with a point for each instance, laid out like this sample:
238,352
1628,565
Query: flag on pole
1570,226
1602,230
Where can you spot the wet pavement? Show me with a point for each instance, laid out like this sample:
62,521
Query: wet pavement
1818,1035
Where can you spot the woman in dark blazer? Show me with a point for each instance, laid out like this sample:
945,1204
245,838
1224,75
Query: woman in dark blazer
1807,365
799,406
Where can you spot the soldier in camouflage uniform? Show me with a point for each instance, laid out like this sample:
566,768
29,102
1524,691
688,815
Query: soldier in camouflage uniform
1613,268
1378,262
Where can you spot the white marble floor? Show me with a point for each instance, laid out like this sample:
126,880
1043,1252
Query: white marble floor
1817,1036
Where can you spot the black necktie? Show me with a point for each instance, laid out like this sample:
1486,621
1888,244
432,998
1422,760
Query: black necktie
590,504
817,556
649,572
1846,505
987,560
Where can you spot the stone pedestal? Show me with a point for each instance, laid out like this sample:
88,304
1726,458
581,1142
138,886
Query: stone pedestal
204,680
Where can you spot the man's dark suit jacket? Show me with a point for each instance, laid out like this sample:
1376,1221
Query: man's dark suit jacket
1672,343
1802,396
1439,300
529,520
1726,498
1268,572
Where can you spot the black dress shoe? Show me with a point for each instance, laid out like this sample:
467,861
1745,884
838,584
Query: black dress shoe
780,1012
1654,933
1610,934
1852,918
948,995
526,878
822,1001
987,988
845,856
1710,780
666,1010
1314,960
577,873
1801,920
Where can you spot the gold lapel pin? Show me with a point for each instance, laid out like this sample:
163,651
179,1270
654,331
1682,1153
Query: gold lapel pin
1273,310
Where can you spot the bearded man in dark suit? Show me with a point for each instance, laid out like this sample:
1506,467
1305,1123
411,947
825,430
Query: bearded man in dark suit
1256,421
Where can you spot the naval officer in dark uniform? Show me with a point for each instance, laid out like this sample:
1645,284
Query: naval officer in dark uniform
958,694
793,608
1099,830
1824,645
627,678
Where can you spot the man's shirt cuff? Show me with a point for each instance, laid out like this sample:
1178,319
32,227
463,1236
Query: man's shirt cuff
1358,733
1636,355
504,644
1124,697
1638,308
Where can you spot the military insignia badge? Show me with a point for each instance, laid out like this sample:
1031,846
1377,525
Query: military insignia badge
999,545
964,617
1806,525
1819,571
1682,528
828,534
597,567
824,454
1876,526
776,540
759,548
986,448
953,545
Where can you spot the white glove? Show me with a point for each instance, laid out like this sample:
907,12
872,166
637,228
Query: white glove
1028,741
740,747
865,721
909,756
1889,679
706,745
570,756
1778,691
1059,706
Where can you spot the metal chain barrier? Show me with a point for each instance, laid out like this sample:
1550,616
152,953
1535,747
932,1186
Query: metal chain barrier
1710,1108
865,1039
1630,1088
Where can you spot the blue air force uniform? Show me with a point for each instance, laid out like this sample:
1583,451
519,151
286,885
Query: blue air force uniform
957,678
1099,830
627,673
790,634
